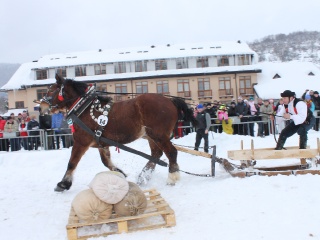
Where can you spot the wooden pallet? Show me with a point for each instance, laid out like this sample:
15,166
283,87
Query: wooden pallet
157,215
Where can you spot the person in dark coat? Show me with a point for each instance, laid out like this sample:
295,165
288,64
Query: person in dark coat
45,124
232,113
34,139
241,111
203,126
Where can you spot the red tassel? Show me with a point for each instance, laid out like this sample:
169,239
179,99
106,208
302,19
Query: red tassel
60,97
118,149
72,128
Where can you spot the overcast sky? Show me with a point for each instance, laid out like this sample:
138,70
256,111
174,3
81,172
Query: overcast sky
33,28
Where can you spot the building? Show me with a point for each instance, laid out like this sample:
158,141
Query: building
200,72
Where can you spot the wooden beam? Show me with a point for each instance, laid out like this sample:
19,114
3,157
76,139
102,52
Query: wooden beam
193,152
261,154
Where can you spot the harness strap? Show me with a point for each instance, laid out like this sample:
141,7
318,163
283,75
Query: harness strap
110,142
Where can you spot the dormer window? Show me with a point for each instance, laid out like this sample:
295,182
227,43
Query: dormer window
276,76
311,74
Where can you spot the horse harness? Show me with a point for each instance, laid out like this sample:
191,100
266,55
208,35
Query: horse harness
81,104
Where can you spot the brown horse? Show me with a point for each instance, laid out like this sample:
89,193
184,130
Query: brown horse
151,115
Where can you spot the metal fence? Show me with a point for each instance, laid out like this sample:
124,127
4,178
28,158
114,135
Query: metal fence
37,140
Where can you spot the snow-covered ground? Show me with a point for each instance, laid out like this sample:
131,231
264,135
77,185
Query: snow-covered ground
281,207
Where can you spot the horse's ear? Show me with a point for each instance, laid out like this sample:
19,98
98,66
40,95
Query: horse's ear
59,79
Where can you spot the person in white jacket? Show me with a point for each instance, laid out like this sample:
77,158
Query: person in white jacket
301,121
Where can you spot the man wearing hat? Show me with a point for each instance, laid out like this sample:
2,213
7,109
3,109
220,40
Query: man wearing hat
301,119
203,126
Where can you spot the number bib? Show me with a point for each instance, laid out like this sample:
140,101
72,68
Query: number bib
102,120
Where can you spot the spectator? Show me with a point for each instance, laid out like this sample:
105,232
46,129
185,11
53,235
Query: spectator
11,129
204,122
34,138
19,117
253,111
57,118
259,118
23,134
4,145
25,116
241,111
45,122
309,103
279,121
65,129
232,113
316,101
266,111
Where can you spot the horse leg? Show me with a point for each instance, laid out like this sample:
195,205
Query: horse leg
76,154
148,169
171,153
106,160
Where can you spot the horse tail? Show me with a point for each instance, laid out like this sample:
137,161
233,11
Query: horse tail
184,112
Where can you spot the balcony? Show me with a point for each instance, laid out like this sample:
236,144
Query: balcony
204,93
246,91
226,92
185,94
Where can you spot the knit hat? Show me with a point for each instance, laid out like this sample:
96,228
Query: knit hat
200,106
251,98
307,97
239,98
288,93
233,103
315,92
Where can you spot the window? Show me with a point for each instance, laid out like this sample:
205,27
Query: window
243,60
223,61
183,88
41,93
61,72
140,66
162,87
161,64
225,86
20,104
181,63
100,69
202,62
41,74
81,71
245,85
120,67
121,88
142,87
204,87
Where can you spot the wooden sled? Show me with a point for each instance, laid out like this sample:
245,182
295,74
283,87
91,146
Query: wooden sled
157,215
246,156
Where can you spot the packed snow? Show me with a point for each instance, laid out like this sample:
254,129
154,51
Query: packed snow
279,207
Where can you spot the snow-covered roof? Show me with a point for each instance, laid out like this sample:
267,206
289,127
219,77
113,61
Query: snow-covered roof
144,53
294,76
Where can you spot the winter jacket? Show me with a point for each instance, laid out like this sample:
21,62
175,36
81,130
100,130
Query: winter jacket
203,120
267,110
2,123
33,125
241,109
23,129
57,121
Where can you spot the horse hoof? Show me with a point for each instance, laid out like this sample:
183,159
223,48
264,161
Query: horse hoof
59,189
144,176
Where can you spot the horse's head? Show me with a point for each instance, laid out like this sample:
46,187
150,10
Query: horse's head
61,95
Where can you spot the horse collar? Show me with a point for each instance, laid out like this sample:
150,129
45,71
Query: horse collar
102,120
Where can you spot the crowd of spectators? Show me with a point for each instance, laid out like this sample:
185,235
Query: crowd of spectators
250,111
22,131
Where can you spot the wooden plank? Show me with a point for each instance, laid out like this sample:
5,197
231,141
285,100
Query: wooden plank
122,226
307,171
262,154
193,152
286,167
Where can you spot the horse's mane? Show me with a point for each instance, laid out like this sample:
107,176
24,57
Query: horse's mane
81,87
